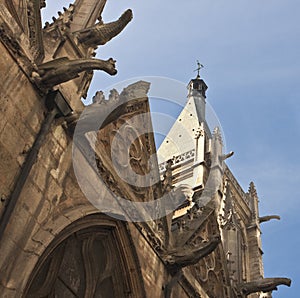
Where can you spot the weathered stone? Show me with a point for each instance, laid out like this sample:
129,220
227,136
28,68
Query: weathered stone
12,140
9,168
60,135
49,228
32,199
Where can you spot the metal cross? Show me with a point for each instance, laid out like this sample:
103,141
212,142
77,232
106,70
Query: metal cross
199,67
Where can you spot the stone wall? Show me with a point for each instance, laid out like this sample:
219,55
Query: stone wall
21,114
37,216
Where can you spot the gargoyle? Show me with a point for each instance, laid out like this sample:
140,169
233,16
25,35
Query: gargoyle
226,156
263,285
62,69
185,256
100,33
267,218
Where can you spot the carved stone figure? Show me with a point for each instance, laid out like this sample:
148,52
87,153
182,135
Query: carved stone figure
268,218
98,97
185,256
85,84
62,69
113,95
226,156
100,33
264,285
56,230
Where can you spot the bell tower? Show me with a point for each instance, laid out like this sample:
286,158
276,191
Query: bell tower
189,143
197,90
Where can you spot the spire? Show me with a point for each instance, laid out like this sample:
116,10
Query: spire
197,94
188,141
252,189
254,201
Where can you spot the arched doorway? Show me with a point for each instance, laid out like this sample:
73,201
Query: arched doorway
93,257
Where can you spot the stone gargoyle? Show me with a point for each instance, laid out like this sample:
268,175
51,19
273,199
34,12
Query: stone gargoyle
184,256
268,218
263,285
100,33
63,69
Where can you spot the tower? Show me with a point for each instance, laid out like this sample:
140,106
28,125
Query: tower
53,241
192,155
189,138
195,153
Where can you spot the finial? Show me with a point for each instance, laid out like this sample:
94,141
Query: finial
198,69
252,189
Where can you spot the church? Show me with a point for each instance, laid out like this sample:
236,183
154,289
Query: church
89,207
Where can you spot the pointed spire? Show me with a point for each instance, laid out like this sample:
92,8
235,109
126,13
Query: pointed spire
192,132
254,202
252,189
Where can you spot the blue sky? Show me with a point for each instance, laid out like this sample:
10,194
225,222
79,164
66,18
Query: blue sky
250,50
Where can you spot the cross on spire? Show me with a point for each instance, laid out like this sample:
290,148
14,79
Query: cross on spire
198,68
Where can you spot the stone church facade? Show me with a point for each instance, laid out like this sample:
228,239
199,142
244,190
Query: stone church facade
54,242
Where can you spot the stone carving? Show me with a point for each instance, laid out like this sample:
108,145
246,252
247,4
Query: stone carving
99,97
100,33
91,262
7,37
113,95
268,218
179,159
252,190
62,69
42,3
200,131
116,187
85,84
191,239
35,29
119,113
64,19
228,218
185,256
169,286
210,270
263,285
228,155
167,177
18,12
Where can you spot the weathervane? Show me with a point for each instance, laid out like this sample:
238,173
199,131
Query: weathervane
198,68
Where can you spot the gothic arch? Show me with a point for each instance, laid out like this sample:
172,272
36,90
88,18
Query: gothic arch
92,257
